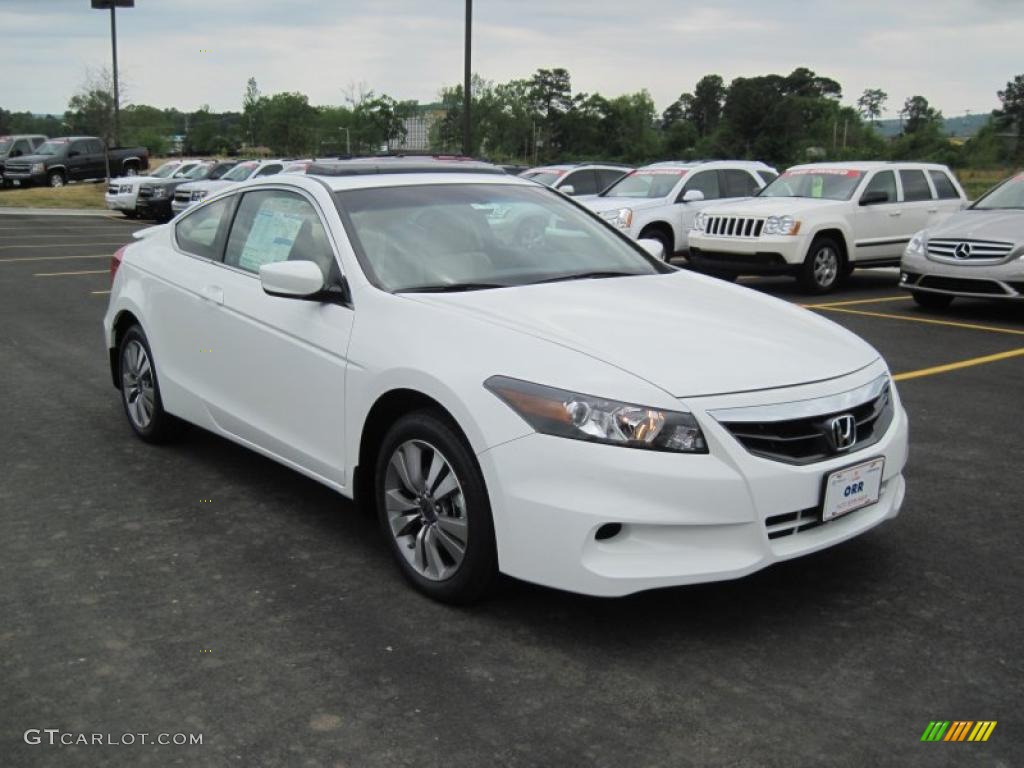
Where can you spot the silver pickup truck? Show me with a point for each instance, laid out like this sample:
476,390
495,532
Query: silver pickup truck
978,253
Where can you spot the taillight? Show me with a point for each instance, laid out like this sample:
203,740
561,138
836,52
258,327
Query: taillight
115,262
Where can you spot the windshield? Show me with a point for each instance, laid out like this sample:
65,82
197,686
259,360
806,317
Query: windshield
647,183
5,145
165,170
822,183
54,147
469,236
544,177
240,172
198,172
1008,195
183,171
220,169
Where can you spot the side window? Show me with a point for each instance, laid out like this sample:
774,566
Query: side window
883,181
943,186
605,178
703,181
92,147
583,182
199,233
767,177
274,225
37,142
915,186
737,183
81,147
270,170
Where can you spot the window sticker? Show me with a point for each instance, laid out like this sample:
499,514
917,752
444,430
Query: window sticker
270,240
659,172
823,171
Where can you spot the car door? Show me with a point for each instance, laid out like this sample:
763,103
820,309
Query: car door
919,203
76,163
708,183
278,367
878,226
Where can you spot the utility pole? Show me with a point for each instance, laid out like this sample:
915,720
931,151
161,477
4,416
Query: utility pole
113,5
467,136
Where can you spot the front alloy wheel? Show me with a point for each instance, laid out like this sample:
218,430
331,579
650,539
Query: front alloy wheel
823,268
434,509
56,180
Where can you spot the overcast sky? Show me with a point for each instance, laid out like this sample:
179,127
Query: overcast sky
957,53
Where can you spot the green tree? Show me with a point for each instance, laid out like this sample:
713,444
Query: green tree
1011,116
919,115
871,103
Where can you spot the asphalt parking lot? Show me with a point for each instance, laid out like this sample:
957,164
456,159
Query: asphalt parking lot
200,588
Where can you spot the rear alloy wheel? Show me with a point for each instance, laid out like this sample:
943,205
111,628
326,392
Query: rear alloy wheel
434,509
140,390
824,267
57,179
932,300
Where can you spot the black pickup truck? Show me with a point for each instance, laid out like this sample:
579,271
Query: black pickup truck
74,158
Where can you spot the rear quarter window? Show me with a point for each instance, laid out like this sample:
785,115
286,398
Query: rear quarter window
944,188
915,186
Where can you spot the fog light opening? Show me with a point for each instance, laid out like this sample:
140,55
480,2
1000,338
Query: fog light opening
608,531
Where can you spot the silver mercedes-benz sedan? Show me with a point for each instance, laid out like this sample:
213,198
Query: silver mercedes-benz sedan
978,253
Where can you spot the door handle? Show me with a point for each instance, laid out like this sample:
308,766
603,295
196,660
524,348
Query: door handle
933,210
213,293
895,213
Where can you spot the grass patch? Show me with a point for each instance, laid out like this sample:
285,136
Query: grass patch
978,181
83,194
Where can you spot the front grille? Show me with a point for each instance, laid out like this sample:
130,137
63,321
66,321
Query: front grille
146,192
805,440
182,197
10,167
967,249
733,226
112,190
963,285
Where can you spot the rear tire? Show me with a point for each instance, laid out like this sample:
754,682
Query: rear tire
932,300
434,510
140,390
130,214
824,266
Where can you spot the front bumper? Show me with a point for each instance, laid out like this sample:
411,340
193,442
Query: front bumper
154,208
24,177
685,518
122,201
983,281
766,255
177,206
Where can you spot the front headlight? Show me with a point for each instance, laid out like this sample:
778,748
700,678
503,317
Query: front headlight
916,245
198,195
126,188
37,168
621,218
159,192
781,225
700,221
561,413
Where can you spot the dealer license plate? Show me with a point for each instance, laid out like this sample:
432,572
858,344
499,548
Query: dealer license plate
852,488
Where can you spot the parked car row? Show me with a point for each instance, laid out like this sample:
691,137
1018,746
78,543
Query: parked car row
55,162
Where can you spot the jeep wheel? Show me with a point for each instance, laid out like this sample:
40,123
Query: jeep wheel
824,267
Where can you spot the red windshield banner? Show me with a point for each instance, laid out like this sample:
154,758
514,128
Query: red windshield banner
823,172
659,172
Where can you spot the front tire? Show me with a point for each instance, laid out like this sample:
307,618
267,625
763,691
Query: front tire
140,390
57,180
668,246
434,510
130,214
131,170
824,267
932,300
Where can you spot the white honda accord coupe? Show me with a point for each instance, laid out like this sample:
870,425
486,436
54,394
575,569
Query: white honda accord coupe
570,411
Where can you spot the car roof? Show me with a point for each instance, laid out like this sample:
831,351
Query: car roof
563,167
401,165
868,165
691,164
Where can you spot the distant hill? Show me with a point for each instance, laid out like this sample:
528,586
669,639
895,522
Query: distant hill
965,126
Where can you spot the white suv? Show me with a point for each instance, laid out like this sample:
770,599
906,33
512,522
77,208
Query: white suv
195,191
123,192
578,179
660,201
820,221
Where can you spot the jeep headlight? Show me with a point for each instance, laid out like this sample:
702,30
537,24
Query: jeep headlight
562,413
780,225
37,168
621,218
916,245
700,222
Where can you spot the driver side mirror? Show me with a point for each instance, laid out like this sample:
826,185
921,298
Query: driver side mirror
874,198
567,189
693,196
292,279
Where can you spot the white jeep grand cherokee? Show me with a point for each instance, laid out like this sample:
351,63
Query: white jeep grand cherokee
822,220
660,201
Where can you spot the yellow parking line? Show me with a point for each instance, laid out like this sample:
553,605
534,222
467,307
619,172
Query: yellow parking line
931,321
54,258
830,304
957,366
62,274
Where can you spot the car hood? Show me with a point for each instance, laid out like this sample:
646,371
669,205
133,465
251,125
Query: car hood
773,206
984,225
29,159
599,204
688,334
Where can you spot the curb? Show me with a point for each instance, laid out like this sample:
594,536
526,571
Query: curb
60,212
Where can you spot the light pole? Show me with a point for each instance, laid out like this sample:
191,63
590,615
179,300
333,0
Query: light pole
113,5
467,135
